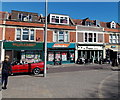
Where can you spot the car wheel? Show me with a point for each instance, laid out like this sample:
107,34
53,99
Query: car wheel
36,71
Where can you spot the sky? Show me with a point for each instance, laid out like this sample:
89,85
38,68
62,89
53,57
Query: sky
103,11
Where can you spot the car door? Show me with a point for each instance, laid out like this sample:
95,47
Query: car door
23,68
15,68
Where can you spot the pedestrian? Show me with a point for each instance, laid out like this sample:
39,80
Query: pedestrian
6,68
60,60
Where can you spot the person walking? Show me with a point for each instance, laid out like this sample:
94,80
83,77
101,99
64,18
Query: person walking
6,68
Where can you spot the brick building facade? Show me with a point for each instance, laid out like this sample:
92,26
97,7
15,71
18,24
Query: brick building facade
22,37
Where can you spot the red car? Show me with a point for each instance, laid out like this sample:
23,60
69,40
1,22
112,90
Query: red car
34,68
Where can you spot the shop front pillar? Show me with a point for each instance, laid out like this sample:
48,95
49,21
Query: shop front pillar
94,57
76,55
104,53
98,56
2,52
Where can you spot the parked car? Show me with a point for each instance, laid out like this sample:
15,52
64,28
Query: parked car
35,68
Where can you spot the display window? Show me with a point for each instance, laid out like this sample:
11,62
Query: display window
64,56
50,56
57,56
31,56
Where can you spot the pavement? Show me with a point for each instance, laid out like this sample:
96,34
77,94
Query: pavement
74,84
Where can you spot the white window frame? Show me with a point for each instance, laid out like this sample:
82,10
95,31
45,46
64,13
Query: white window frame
113,24
53,15
112,39
21,36
92,37
57,40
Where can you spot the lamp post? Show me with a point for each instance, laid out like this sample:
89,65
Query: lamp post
45,38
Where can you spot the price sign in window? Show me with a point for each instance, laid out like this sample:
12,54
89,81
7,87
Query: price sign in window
50,56
64,56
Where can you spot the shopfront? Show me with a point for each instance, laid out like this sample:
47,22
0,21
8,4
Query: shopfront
63,51
24,51
91,53
112,52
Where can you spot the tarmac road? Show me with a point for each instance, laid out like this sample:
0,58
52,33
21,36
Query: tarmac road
65,83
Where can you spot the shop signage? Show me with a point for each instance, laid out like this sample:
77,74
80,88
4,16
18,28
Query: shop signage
60,45
24,44
90,48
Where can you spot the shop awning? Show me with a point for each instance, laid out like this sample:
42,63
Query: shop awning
22,46
115,49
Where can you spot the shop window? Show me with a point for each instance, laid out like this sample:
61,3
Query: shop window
64,56
57,56
50,56
30,56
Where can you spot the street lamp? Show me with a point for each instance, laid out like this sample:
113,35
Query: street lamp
45,38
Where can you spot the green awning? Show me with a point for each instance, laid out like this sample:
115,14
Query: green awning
22,46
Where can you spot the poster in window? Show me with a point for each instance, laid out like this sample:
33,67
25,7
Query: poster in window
50,56
64,56
71,56
57,56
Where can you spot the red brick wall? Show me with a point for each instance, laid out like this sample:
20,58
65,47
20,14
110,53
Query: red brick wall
61,26
106,37
50,36
10,34
72,36
1,33
24,24
112,30
40,35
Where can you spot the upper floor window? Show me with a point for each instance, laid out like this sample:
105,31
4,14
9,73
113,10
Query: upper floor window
114,38
23,17
87,23
60,36
59,19
90,37
112,24
25,34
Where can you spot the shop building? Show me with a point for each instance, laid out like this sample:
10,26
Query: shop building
90,40
61,39
63,51
23,36
112,40
24,51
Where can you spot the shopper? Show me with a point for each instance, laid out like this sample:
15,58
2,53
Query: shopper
6,68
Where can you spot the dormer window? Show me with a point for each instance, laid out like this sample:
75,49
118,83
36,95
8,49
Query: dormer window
22,17
113,24
59,19
87,23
